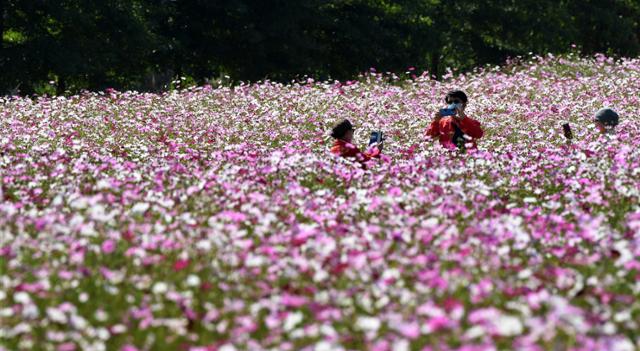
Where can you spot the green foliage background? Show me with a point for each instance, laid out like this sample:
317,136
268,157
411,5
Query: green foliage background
64,46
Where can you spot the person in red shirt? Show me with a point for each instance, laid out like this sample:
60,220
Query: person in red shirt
343,135
457,131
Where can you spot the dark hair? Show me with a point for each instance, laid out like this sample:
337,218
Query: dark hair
608,117
341,129
455,94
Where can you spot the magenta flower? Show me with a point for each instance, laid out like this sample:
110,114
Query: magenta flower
108,246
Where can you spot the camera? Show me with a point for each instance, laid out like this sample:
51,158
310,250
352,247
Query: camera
376,137
566,129
450,110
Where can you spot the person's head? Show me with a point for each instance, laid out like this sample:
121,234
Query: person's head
456,97
606,119
343,131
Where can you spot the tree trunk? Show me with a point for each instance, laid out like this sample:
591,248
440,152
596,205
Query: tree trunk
61,86
2,10
434,70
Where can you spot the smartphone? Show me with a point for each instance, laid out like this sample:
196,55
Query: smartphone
376,137
566,128
449,111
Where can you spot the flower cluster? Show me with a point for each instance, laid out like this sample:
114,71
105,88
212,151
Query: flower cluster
217,219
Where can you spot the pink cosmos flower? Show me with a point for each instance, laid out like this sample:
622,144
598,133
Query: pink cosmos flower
108,246
181,264
409,330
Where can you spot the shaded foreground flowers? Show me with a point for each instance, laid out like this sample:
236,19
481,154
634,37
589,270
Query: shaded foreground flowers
216,219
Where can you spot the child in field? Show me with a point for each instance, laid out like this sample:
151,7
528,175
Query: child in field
343,135
458,130
606,120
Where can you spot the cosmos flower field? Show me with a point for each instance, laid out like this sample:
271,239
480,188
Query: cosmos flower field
217,219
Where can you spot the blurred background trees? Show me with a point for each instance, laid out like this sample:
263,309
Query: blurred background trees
64,46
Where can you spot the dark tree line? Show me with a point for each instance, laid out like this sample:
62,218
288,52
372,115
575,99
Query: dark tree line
68,45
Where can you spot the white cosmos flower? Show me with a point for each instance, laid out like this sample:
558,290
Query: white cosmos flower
140,208
292,320
160,288
368,323
56,315
509,325
193,280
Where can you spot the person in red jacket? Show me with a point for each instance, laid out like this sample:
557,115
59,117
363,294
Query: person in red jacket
459,130
343,135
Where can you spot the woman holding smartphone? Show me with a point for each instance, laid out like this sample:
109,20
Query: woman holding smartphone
452,126
343,135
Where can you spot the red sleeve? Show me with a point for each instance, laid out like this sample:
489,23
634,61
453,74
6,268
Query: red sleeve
446,127
350,150
353,151
374,152
434,128
471,127
446,132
